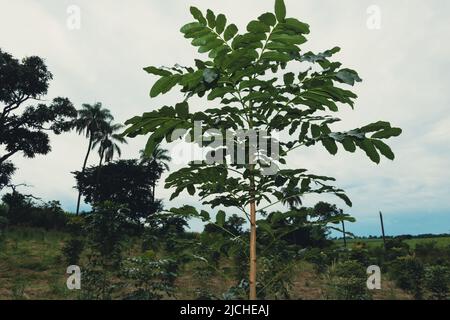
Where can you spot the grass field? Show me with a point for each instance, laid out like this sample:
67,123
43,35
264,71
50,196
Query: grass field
441,241
32,267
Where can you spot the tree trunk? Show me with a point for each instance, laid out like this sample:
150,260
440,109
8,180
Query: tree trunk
82,171
382,230
253,251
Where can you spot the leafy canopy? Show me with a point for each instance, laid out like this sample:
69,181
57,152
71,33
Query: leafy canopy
25,129
253,78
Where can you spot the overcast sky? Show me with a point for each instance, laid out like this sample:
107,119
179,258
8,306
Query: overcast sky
405,65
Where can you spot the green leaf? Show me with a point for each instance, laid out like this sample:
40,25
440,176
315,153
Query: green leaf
297,26
197,14
275,56
280,10
384,149
289,39
268,18
376,126
230,32
191,27
289,78
345,198
204,40
182,110
191,189
221,23
348,144
219,92
158,71
163,85
330,145
257,27
220,218
205,216
388,133
211,17
315,130
370,150
348,76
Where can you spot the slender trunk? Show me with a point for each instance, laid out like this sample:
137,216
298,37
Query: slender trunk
82,171
253,251
382,230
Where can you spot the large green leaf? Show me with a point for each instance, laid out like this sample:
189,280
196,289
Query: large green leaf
158,71
368,146
280,10
384,149
221,23
268,18
230,32
163,85
197,14
388,133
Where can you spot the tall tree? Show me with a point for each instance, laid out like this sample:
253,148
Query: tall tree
91,121
159,158
257,95
107,141
25,128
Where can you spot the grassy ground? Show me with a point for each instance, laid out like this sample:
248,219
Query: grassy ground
31,267
441,241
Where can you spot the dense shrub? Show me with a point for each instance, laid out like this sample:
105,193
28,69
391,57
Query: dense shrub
430,253
408,274
318,258
347,281
396,248
23,211
151,279
437,281
72,251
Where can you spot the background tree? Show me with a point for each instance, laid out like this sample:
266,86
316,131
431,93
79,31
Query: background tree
248,74
91,121
107,141
159,158
25,128
124,182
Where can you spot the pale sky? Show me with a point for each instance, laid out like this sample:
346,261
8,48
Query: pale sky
405,67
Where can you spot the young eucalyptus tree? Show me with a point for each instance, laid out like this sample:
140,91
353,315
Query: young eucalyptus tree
249,76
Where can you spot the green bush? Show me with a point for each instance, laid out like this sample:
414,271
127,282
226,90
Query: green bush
151,279
408,273
430,253
347,281
437,281
72,251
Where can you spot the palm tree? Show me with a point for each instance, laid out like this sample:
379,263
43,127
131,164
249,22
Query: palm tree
91,120
159,158
108,141
292,198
